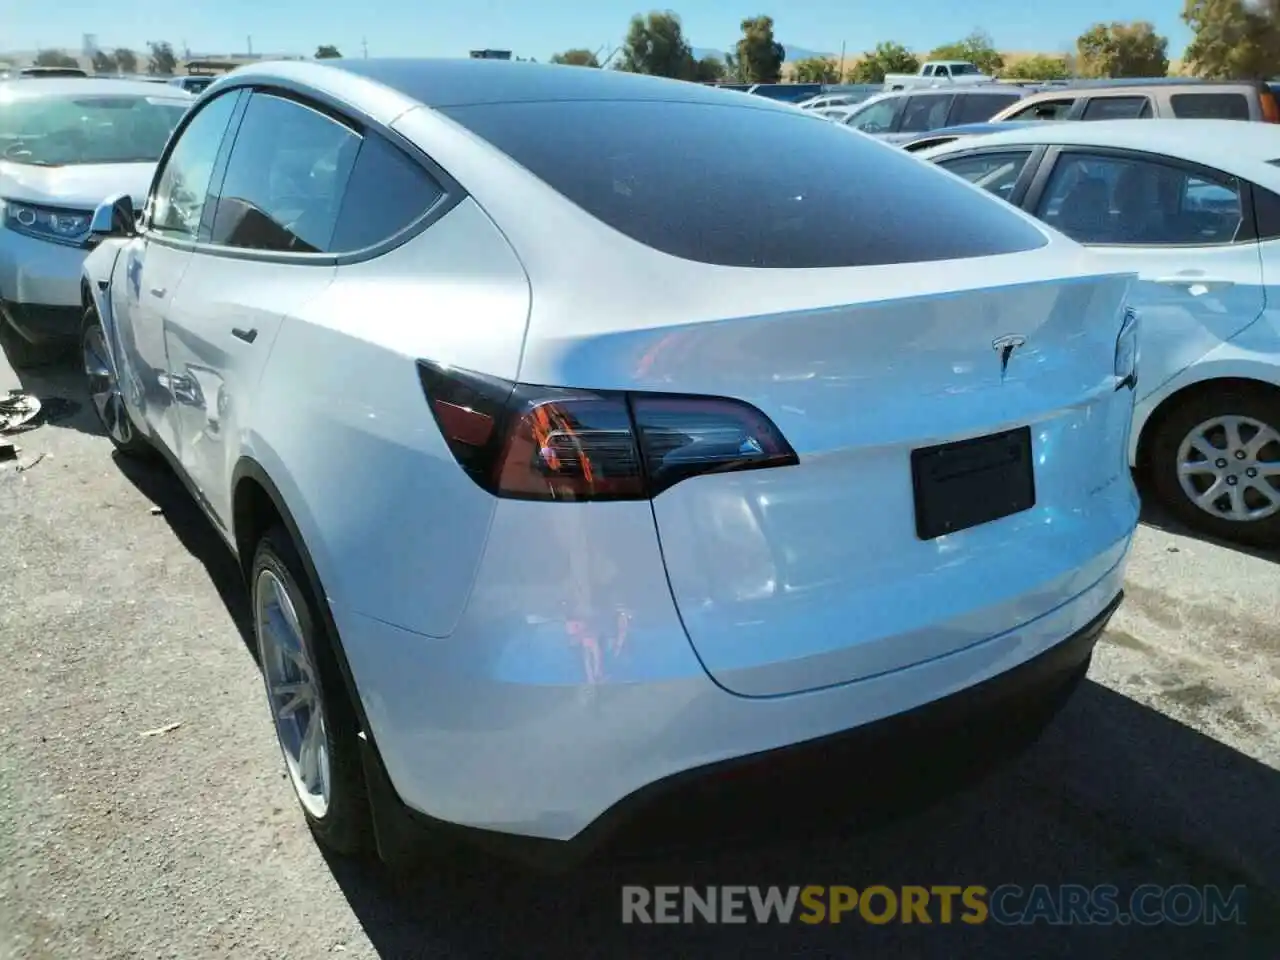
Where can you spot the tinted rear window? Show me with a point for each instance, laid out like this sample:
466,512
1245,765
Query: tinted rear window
1117,108
979,107
1210,106
748,187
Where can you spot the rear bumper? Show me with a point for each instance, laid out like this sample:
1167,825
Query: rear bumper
559,761
923,751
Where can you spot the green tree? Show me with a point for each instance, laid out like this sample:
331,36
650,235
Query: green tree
977,48
1233,39
759,54
103,62
815,70
577,57
327,51
1123,50
734,68
54,58
1039,67
162,62
655,45
709,69
888,57
126,60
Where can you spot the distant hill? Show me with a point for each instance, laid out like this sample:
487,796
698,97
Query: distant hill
793,53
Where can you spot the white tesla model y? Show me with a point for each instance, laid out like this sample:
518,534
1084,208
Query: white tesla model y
577,429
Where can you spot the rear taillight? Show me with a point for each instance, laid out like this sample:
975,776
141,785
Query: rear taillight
1270,107
550,443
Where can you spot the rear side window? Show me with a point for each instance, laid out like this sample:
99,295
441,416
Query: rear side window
1140,202
387,191
928,112
1117,108
285,178
707,191
1210,106
1044,110
880,116
978,107
995,172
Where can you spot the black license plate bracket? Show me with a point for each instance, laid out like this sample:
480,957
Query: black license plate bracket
971,482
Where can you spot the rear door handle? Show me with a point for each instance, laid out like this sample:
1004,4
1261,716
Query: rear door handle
248,336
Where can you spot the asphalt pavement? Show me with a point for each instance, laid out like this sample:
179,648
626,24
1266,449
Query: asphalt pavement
144,810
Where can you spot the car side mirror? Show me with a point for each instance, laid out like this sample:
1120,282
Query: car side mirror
115,217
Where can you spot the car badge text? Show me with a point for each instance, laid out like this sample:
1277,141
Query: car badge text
1005,346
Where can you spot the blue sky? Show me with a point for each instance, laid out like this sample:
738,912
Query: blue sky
538,29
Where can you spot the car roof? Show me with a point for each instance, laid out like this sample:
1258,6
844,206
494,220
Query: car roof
1229,145
439,83
86,86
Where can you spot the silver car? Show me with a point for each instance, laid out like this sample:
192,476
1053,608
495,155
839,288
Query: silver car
65,144
905,114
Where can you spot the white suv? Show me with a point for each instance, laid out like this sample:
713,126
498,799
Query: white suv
559,462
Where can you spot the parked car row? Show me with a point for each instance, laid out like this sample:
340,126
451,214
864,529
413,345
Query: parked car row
913,117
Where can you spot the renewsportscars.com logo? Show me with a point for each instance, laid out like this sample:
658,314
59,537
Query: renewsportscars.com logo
1006,905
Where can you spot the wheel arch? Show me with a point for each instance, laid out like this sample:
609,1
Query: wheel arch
256,505
1150,425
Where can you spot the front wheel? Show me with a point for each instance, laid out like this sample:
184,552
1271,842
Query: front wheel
314,720
104,389
1215,463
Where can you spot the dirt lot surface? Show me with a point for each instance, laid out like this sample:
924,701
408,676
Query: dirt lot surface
117,620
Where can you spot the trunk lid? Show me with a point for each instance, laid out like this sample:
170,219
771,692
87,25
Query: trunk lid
796,578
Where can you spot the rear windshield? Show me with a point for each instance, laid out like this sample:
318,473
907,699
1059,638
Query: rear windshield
748,187
1210,106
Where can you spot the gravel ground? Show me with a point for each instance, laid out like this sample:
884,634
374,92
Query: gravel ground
117,620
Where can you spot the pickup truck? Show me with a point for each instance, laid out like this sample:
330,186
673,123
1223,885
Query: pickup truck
934,73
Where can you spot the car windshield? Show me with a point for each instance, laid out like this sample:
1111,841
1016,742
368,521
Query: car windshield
85,129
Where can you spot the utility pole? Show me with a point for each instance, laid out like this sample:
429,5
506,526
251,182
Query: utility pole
364,46
249,41
840,79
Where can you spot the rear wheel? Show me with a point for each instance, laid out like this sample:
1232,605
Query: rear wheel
313,717
1215,463
104,389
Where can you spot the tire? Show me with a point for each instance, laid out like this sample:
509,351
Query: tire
1248,408
25,355
341,823
104,390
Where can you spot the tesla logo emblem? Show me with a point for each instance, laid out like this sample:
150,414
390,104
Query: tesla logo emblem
1005,346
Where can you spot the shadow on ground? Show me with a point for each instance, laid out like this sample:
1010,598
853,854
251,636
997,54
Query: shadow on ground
1154,515
1112,793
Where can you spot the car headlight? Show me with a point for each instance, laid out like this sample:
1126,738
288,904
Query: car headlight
47,223
1126,368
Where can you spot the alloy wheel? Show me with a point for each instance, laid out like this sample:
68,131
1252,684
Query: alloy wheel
293,692
104,387
1229,467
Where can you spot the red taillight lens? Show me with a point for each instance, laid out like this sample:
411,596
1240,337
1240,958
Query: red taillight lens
550,443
